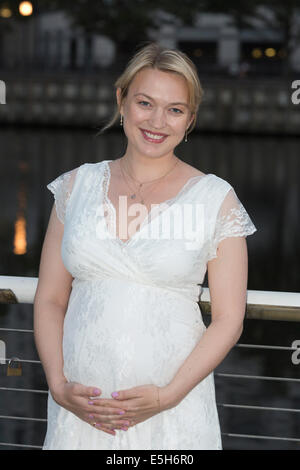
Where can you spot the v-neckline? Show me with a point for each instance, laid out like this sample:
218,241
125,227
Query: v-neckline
147,220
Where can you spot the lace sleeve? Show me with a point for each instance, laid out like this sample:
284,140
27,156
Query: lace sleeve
232,221
61,188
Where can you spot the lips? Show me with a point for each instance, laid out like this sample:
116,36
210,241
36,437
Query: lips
155,140
154,133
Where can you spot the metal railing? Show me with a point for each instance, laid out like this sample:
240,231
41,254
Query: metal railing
263,305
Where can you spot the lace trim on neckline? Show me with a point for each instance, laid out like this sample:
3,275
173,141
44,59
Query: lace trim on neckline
111,211
183,189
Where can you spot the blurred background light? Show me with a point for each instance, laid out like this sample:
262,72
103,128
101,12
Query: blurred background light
257,53
270,52
25,8
5,12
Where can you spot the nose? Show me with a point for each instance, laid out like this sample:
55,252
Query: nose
157,119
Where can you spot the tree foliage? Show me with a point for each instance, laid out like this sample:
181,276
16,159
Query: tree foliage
130,21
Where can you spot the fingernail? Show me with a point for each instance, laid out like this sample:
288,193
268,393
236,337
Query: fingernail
91,416
96,391
124,428
121,412
115,394
91,402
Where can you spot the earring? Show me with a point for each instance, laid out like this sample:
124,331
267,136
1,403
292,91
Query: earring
185,136
121,120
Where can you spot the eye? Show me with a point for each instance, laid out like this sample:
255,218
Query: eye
178,110
140,102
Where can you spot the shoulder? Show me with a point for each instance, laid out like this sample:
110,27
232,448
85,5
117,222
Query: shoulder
220,185
188,171
84,168
95,167
88,174
220,181
69,177
64,182
214,193
212,179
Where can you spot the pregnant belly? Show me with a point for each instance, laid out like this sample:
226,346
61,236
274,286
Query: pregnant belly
120,335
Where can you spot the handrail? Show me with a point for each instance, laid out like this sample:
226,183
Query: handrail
263,305
245,436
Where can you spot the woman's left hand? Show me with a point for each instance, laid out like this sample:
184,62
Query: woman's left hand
139,403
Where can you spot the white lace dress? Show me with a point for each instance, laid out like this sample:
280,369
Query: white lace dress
133,314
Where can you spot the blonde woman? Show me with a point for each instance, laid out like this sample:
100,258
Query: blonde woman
118,328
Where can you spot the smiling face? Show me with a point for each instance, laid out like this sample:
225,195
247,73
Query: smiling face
154,121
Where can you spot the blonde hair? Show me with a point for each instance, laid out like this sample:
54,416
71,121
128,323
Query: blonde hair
155,56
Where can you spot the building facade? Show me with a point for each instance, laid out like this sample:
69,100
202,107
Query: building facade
48,42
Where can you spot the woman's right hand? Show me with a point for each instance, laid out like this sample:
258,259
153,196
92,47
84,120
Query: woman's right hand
75,398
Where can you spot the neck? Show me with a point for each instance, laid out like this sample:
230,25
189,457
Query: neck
147,169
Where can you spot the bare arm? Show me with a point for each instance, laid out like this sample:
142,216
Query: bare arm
227,278
51,301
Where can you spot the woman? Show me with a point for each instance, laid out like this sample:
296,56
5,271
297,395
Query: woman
128,360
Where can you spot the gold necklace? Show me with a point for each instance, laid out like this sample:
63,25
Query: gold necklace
133,196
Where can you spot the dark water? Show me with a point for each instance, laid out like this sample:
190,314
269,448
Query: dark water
264,172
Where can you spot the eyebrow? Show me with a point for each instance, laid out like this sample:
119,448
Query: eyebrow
147,96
